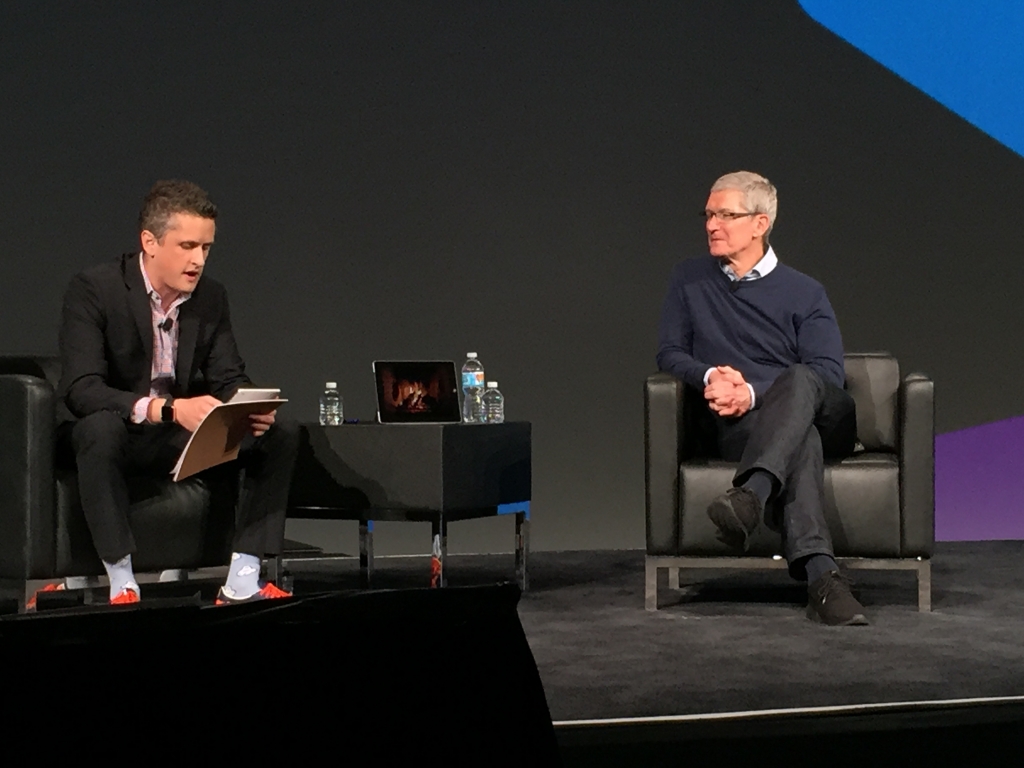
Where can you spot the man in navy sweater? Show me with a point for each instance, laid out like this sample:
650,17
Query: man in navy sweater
761,341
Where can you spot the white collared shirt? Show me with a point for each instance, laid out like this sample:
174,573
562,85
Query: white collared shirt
763,267
165,346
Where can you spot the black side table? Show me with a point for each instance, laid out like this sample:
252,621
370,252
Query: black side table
436,473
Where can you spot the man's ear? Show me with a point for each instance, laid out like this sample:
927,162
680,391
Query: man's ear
148,241
760,225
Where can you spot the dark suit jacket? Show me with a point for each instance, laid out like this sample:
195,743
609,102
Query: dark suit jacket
106,342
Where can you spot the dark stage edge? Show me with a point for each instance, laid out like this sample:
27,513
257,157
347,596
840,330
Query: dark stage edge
738,664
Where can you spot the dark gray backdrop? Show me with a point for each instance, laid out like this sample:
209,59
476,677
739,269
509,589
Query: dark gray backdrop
414,180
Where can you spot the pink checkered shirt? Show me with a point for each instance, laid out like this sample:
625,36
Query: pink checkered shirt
165,347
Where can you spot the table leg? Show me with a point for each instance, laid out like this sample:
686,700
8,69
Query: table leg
438,551
275,567
522,549
365,553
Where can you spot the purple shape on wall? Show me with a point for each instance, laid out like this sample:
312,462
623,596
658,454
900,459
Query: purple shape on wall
979,482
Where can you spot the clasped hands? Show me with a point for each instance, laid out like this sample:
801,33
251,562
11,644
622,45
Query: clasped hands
189,413
727,392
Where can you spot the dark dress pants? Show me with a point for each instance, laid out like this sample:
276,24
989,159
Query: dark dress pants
801,421
107,449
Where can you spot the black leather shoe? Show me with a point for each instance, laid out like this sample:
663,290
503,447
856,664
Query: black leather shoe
736,514
830,601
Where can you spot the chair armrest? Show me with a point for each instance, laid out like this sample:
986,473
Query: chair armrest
663,437
27,543
917,465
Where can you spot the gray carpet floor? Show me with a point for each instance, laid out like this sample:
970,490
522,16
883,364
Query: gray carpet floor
742,642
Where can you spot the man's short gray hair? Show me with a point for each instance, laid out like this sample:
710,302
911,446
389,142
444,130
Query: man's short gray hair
759,196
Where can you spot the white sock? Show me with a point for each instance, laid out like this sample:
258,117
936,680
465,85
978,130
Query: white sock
243,575
121,576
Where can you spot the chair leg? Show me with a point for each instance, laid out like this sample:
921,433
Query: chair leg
673,578
924,586
651,589
365,553
522,549
275,568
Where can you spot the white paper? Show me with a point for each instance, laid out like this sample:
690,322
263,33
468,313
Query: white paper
248,394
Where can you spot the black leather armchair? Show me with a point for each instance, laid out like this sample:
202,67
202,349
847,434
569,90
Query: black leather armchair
879,502
43,533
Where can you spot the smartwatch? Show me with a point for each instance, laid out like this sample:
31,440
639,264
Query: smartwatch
167,411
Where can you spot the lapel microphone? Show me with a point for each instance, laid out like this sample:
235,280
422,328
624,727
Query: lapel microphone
733,287
167,324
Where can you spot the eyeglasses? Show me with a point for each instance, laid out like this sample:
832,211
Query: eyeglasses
725,216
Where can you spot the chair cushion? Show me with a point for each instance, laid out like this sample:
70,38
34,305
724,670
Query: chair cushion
861,508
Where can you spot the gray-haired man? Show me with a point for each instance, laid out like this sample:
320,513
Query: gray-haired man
762,342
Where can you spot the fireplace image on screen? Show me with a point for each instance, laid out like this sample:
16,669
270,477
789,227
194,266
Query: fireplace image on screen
413,396
417,392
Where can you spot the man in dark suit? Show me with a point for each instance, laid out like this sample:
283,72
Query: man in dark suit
147,351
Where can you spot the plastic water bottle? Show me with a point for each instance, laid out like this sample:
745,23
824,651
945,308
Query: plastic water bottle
331,410
494,404
472,390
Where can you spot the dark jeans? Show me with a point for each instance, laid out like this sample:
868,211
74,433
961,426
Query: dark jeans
107,449
801,421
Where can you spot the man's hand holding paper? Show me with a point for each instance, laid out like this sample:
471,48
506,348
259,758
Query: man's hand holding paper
190,412
261,422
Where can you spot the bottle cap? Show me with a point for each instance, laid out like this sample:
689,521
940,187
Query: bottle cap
331,385
492,385
471,355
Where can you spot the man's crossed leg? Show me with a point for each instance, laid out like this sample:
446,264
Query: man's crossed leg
780,448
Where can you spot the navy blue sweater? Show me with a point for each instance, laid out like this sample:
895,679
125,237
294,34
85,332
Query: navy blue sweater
760,329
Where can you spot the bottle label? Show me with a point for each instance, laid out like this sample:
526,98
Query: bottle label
472,379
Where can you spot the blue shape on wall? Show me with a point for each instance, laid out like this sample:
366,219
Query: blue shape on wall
966,54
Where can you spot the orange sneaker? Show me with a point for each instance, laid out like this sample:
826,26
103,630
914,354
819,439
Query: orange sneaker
55,587
127,596
267,592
